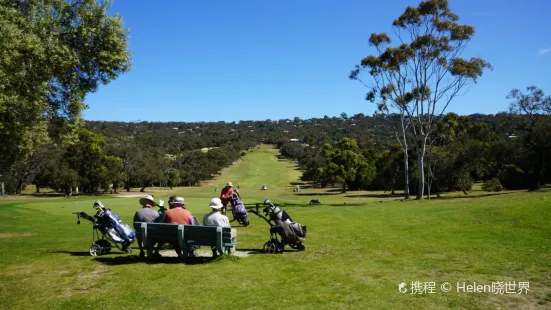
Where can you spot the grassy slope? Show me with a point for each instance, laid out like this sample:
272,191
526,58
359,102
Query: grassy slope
356,253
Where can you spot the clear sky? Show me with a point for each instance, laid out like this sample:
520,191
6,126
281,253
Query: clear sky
255,60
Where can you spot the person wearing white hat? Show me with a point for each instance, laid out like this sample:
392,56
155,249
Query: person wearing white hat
215,218
146,215
225,194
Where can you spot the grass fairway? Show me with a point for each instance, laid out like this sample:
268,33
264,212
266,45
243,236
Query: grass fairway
359,248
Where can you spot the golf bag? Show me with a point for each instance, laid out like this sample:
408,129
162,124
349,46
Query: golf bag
238,210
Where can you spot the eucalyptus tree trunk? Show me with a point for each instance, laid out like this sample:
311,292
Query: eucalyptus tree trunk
406,175
420,166
404,145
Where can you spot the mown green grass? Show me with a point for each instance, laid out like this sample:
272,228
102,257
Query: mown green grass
358,249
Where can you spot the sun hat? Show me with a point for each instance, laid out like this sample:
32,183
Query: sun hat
148,200
216,203
171,200
178,200
229,184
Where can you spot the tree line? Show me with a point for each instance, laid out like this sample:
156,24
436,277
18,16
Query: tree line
94,165
512,150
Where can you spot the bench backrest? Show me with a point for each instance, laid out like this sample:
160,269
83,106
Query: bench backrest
163,232
206,235
138,228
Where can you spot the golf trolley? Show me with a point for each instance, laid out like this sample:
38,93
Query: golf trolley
107,231
292,233
238,210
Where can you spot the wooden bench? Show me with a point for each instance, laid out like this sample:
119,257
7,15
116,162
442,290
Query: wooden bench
138,227
185,236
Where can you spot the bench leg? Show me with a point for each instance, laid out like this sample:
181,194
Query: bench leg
149,246
182,246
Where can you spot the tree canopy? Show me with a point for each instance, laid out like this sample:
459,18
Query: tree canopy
52,54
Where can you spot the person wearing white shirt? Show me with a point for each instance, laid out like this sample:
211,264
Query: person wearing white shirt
216,218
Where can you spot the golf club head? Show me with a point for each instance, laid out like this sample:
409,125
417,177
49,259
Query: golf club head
78,222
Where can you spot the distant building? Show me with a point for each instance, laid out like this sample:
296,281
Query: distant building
294,140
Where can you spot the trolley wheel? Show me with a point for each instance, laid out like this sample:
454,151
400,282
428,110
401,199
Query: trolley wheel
244,222
105,246
95,250
270,247
128,251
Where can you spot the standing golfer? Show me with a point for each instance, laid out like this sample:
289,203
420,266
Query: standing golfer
225,194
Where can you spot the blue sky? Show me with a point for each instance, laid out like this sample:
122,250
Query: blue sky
255,60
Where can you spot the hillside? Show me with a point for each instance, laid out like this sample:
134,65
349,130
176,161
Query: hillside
357,253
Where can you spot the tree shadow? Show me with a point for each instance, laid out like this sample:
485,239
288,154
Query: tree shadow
344,204
316,194
285,205
374,196
469,196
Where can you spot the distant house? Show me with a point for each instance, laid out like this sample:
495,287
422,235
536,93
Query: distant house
170,156
294,140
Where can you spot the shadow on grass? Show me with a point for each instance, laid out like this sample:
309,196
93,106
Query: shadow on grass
344,204
118,260
134,259
261,251
374,196
285,205
111,260
72,253
470,196
317,194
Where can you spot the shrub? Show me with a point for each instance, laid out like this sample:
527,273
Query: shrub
492,185
465,181
243,153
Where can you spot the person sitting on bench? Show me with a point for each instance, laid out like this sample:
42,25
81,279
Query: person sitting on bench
146,215
216,218
177,214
